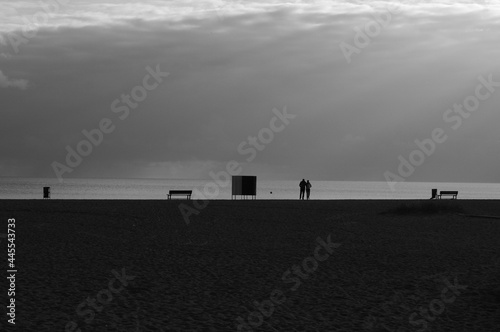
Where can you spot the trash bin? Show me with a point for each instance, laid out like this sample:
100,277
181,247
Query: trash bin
434,193
46,192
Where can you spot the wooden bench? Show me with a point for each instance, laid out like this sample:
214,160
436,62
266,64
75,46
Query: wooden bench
186,193
453,194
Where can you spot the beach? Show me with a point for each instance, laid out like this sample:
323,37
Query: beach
260,265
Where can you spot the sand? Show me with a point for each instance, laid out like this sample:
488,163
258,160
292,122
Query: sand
206,276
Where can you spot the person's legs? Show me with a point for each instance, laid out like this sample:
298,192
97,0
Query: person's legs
308,193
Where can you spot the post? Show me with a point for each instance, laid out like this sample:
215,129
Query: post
46,192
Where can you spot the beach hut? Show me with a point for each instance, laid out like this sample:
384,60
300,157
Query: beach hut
244,186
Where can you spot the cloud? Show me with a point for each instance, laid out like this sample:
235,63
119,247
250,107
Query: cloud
352,139
16,15
227,75
6,82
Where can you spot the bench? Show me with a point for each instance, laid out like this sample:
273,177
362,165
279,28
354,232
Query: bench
186,193
453,194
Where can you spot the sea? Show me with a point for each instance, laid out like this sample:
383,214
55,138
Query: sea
32,188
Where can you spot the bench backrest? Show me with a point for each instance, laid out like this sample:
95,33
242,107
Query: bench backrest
181,192
448,193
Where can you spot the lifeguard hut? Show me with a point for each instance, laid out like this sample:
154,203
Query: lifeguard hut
244,186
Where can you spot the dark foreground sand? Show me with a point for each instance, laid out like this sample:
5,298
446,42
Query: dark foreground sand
385,269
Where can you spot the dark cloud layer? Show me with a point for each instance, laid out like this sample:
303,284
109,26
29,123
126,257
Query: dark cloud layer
226,76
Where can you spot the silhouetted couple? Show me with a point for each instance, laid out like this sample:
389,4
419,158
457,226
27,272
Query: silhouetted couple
305,188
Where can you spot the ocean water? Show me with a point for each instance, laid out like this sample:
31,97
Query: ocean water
31,188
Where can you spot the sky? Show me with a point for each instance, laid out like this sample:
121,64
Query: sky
360,81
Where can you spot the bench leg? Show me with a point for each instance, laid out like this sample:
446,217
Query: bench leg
187,196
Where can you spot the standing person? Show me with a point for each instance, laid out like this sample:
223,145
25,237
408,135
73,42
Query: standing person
302,186
308,188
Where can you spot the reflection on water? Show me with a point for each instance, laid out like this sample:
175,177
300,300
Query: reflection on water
31,188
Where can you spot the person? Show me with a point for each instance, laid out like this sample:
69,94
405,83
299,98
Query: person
302,186
308,188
